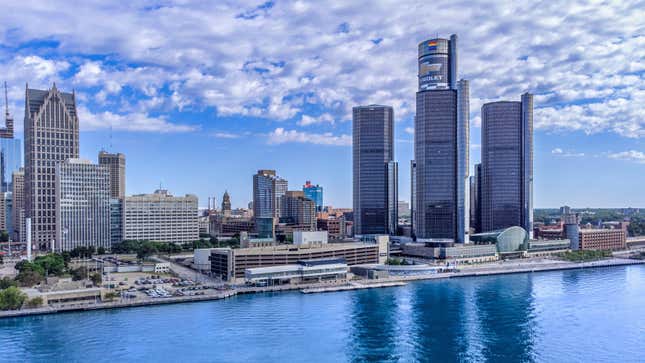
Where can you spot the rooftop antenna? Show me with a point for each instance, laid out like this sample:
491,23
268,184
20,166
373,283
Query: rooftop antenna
6,100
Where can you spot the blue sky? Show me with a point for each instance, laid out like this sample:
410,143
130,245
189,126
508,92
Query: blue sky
199,95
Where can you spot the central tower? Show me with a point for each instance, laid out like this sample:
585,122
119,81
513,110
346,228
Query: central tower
441,145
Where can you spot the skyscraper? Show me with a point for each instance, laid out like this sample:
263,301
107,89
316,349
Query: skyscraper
298,210
268,189
51,136
315,193
375,172
475,199
441,145
507,164
116,165
10,150
82,205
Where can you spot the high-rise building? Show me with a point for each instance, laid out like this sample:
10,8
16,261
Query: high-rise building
7,202
51,136
315,193
475,199
298,210
441,145
161,217
507,164
268,190
226,204
18,213
116,165
10,150
82,205
413,196
375,172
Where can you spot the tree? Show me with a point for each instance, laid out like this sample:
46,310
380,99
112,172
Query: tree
6,282
147,249
29,278
79,273
101,250
1,260
52,264
96,278
4,236
11,298
35,302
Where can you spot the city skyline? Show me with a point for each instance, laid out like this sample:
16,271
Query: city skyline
262,107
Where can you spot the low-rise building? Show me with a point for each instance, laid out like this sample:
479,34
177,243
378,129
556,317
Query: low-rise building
304,271
602,239
305,237
230,264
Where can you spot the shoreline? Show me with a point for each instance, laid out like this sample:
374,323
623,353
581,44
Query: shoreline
393,281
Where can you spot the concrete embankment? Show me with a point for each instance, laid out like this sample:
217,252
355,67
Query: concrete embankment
351,286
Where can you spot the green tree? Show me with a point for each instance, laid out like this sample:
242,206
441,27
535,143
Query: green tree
6,282
11,298
96,278
101,250
4,236
29,278
35,302
53,264
79,273
147,249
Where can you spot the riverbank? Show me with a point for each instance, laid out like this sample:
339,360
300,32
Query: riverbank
499,268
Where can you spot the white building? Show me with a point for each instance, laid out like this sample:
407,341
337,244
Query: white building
82,205
161,217
306,237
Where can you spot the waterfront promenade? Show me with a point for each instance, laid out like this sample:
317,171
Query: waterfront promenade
500,267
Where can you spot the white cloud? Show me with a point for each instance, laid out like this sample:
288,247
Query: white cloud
281,136
273,61
307,120
409,130
567,154
225,135
630,155
128,122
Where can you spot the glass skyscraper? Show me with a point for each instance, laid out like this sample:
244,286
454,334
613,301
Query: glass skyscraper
507,164
441,145
315,193
10,161
375,172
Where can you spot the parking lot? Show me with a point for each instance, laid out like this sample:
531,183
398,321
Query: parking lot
154,286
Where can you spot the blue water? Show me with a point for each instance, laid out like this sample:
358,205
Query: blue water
594,315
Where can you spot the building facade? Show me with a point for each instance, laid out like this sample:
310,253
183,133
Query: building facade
226,204
268,190
116,220
315,193
475,199
82,205
161,217
441,140
51,136
116,164
375,172
18,214
299,210
507,164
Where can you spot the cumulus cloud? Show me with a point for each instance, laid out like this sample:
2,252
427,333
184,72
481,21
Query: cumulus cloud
281,136
225,135
567,154
630,155
139,122
310,120
277,59
409,130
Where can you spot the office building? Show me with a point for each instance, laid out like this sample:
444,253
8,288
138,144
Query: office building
10,150
51,136
475,199
161,217
374,170
298,210
507,164
230,264
441,145
315,193
116,164
602,239
18,213
116,220
413,197
7,213
268,190
306,271
403,208
82,205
